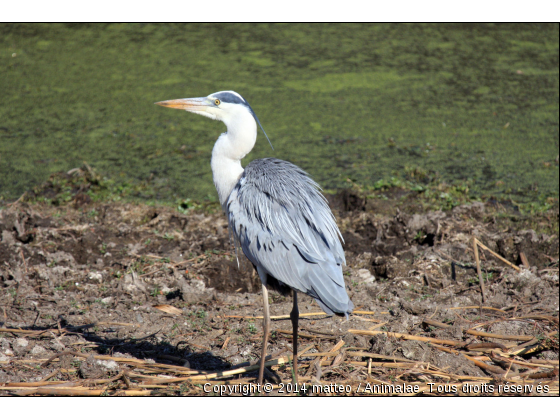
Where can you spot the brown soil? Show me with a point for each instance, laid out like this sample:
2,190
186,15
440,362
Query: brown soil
90,286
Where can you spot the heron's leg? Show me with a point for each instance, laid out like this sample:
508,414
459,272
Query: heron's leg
266,331
294,316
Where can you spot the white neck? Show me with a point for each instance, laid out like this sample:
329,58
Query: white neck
228,151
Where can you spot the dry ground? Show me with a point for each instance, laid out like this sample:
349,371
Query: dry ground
125,299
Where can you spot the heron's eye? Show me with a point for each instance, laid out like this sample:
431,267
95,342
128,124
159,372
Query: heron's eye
217,102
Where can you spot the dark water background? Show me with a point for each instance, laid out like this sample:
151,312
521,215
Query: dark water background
464,103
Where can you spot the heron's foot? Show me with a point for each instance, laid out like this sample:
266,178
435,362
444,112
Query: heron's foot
272,376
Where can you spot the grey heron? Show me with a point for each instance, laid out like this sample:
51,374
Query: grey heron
276,214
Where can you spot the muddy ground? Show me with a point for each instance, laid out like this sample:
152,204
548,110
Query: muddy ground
86,286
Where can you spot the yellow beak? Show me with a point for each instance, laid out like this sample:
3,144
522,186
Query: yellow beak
189,104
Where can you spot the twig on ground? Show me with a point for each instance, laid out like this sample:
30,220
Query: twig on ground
502,259
478,270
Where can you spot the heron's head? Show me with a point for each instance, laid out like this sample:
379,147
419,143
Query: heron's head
227,106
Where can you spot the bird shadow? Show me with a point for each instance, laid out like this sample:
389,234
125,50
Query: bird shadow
147,348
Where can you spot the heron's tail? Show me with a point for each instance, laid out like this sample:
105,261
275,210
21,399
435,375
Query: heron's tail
329,311
329,290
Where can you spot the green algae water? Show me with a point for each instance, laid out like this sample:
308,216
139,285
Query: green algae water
466,103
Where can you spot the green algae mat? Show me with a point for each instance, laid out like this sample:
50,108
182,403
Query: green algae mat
466,105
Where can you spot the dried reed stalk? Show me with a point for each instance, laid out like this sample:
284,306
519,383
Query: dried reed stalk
278,317
379,356
477,307
502,259
409,337
500,336
488,368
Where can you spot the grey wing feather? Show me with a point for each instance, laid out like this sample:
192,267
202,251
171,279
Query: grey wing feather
287,230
